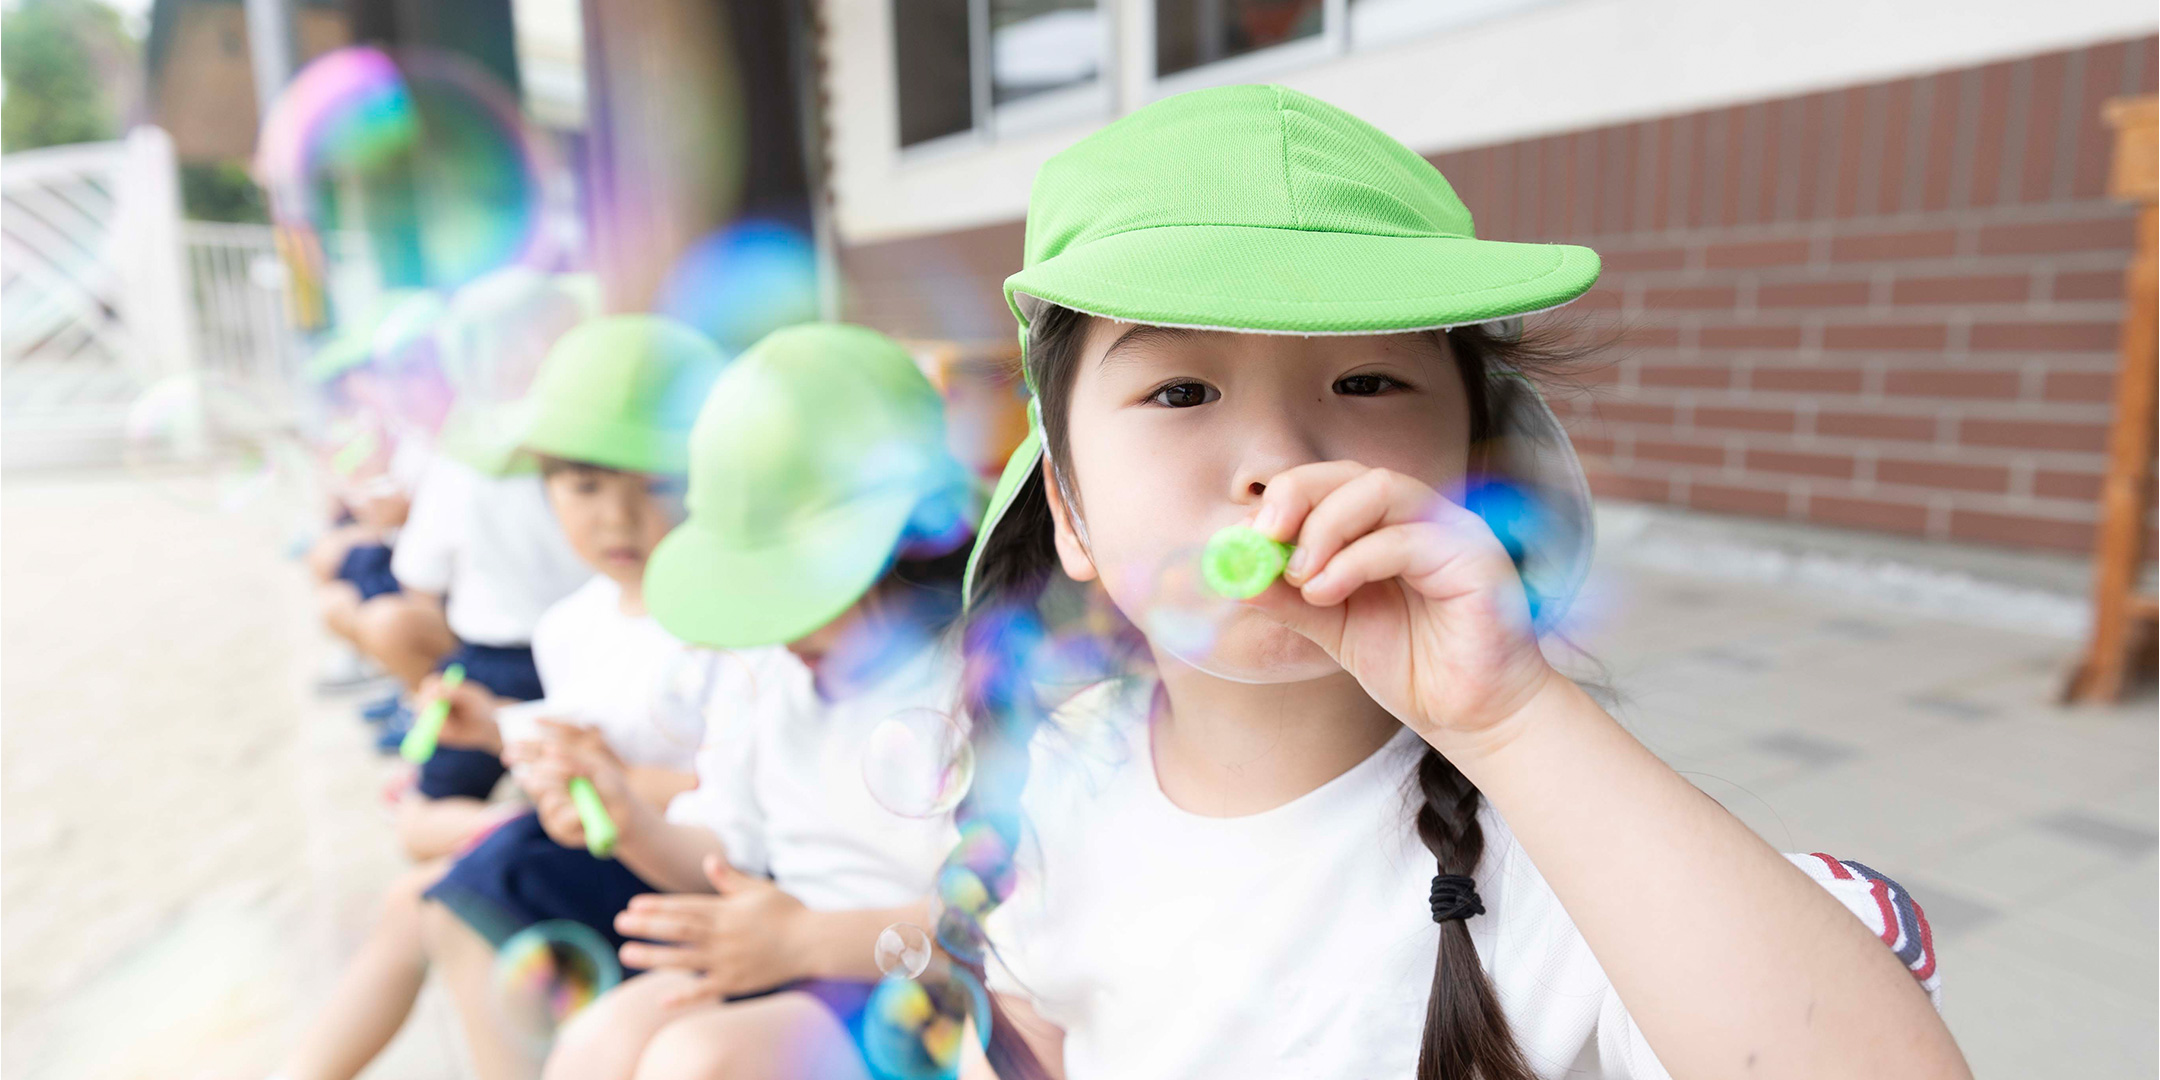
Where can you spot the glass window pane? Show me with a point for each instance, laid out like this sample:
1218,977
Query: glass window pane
1040,45
1189,33
930,59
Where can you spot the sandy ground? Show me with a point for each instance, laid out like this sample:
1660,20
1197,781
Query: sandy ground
193,840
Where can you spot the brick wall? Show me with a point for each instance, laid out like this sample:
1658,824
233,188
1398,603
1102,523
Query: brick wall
1890,306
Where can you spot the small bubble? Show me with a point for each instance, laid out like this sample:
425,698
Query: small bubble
918,763
546,972
903,949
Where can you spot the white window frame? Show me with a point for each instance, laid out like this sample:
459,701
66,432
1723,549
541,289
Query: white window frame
1080,103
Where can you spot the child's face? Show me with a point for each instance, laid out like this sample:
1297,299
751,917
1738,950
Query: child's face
614,519
1175,433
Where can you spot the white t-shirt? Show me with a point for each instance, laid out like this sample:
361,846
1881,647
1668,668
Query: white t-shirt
493,545
1297,941
780,781
641,687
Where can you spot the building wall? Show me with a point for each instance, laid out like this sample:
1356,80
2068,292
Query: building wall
1534,67
205,97
1890,305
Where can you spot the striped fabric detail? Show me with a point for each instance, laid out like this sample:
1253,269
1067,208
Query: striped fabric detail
1904,927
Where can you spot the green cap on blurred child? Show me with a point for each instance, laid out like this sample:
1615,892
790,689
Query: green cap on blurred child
620,392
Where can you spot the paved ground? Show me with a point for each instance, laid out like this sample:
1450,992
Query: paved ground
192,841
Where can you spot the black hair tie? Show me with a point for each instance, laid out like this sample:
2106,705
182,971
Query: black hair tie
1454,896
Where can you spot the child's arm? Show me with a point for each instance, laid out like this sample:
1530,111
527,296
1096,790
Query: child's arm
752,936
667,855
1729,959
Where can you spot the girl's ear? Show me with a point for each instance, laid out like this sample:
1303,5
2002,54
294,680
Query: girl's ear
1072,554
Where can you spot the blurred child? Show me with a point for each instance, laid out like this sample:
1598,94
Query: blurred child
825,513
608,419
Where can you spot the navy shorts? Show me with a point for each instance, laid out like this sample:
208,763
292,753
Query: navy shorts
367,567
506,671
516,876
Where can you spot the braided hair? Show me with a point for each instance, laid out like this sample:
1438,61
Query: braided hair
1466,1034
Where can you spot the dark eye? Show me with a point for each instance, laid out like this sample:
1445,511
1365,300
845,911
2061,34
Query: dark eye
1184,395
1365,385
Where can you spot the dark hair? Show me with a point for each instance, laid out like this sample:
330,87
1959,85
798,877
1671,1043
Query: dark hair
1466,1033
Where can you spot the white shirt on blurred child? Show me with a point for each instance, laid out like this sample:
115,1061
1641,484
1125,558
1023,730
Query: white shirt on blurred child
492,545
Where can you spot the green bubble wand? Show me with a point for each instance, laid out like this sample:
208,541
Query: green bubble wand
419,744
600,833
1240,562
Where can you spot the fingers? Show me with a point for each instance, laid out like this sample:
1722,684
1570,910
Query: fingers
1373,499
726,879
1438,562
675,905
638,954
1292,493
675,926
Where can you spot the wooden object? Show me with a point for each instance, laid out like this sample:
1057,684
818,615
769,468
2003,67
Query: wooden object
2123,616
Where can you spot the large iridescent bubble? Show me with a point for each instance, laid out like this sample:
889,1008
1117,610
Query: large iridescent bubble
744,282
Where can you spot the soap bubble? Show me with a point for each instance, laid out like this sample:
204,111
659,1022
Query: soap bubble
210,444
744,282
912,1027
903,949
546,972
1171,602
918,763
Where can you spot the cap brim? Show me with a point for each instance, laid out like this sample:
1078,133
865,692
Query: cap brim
1296,281
709,592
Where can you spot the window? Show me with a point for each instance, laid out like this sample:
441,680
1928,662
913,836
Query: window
989,67
1210,42
1189,33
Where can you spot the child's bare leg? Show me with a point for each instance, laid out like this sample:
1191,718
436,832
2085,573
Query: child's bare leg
327,553
432,828
467,963
339,604
779,1037
405,634
375,992
606,1040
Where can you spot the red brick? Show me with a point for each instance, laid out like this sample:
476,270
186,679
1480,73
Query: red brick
1620,262
1944,95
1709,296
1943,474
1897,138
2091,386
1756,253
1707,416
1951,383
1651,335
2105,234
1807,379
1749,337
2103,80
1591,445
2090,285
1598,300
1875,247
2044,337
1868,425
1961,290
2043,117
1832,466
1737,500
1812,294
2064,484
1679,453
1886,336
1983,175
1635,412
2021,531
2033,434
1715,376
1612,485
1868,513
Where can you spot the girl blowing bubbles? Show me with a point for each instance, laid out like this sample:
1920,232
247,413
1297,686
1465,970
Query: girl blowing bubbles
1363,829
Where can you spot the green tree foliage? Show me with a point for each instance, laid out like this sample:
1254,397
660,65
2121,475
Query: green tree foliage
221,192
55,56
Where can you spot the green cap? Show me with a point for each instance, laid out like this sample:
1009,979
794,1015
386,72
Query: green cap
620,392
1263,210
813,452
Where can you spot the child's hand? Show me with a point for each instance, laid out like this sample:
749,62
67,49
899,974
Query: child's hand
1409,592
471,722
736,942
547,767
